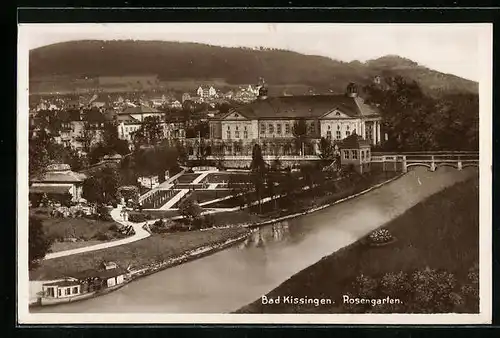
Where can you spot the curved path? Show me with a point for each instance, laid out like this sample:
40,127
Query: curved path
140,233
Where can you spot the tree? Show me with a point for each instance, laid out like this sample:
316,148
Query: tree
258,163
38,242
102,186
300,132
325,148
87,135
38,153
190,210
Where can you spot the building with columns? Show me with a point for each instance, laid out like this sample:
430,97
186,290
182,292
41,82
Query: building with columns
269,121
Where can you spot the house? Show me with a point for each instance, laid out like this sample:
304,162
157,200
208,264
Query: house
83,285
206,91
141,112
59,180
271,120
355,151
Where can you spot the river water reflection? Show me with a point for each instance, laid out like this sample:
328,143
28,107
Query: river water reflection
227,280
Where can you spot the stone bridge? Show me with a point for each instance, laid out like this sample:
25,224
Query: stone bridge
431,160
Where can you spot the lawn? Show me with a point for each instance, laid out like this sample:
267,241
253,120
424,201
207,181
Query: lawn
83,229
441,232
137,254
156,214
223,177
205,195
187,178
159,199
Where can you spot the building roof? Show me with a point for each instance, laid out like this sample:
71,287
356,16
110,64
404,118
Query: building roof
60,177
50,189
63,283
139,110
354,141
305,106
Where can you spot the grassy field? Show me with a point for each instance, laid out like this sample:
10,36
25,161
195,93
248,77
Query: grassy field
441,232
187,178
206,195
147,251
80,228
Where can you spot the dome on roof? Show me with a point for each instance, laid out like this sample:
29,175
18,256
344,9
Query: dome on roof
352,90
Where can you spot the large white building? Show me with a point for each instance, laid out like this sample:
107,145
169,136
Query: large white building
270,120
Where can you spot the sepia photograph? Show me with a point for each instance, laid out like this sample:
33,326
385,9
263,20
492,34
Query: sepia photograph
254,173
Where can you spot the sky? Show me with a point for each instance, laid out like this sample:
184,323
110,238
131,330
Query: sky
448,48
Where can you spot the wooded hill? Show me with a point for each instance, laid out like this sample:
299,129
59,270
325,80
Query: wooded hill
176,61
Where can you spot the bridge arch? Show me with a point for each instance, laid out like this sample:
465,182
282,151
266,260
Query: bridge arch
470,165
419,165
447,164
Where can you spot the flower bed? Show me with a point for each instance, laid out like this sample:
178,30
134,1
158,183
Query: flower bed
380,237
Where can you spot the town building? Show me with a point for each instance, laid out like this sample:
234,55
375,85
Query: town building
59,180
270,121
206,91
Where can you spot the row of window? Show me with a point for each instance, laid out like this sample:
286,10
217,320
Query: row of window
237,134
353,154
338,134
67,291
279,126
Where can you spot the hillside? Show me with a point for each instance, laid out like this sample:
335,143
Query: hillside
70,63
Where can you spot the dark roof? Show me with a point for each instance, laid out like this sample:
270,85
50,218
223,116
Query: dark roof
63,283
304,106
354,141
50,189
60,177
139,110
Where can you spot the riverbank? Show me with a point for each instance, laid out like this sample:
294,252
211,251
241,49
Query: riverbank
138,255
441,233
162,247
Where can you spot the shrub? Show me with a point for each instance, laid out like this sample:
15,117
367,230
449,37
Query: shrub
113,227
190,209
102,236
422,291
139,217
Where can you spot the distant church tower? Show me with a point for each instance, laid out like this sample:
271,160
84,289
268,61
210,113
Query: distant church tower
351,90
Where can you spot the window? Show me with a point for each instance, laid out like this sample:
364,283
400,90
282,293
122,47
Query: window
346,154
59,292
329,127
245,134
237,133
228,133
362,154
367,154
228,128
67,291
354,154
278,129
337,135
329,134
262,128
271,128
287,128
347,133
347,127
311,127
75,290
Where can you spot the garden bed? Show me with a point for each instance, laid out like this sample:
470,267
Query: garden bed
187,178
205,195
159,199
136,255
441,232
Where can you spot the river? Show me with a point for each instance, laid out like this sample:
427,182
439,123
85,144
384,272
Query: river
227,280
